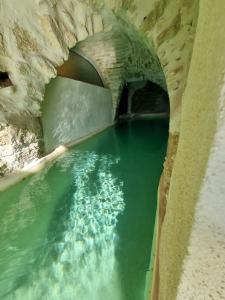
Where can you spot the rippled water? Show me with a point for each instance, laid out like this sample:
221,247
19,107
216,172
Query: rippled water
82,262
82,228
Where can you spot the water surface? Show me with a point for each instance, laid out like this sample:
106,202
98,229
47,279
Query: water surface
82,228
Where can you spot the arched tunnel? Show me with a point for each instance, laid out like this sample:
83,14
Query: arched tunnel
132,90
137,97
143,98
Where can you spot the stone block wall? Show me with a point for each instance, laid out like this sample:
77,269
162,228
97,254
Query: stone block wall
122,55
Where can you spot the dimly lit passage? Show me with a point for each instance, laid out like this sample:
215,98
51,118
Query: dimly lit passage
82,228
143,98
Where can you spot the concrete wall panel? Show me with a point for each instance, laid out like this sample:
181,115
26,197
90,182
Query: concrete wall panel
73,109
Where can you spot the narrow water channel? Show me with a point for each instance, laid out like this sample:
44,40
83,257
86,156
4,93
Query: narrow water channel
82,228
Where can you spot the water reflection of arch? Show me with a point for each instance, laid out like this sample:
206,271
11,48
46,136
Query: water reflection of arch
81,68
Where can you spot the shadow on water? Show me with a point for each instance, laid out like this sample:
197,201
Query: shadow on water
82,229
143,150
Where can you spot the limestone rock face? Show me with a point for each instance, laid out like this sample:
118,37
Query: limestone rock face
34,39
19,144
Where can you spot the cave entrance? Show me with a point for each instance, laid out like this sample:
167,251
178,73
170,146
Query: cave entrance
142,98
4,80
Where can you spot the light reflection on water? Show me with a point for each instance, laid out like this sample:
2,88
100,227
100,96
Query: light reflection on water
59,235
81,265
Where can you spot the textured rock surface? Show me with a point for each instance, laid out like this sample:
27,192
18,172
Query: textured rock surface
35,36
172,29
34,40
20,144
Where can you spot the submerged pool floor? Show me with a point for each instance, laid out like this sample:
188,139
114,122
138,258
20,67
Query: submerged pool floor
82,228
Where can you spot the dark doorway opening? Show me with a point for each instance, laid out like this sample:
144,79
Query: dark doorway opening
4,80
143,98
123,105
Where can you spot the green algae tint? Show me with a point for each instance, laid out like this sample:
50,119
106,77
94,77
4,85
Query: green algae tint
82,228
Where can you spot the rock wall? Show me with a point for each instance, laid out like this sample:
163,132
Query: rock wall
20,143
34,39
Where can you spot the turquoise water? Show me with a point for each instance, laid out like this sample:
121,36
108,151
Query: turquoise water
82,228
